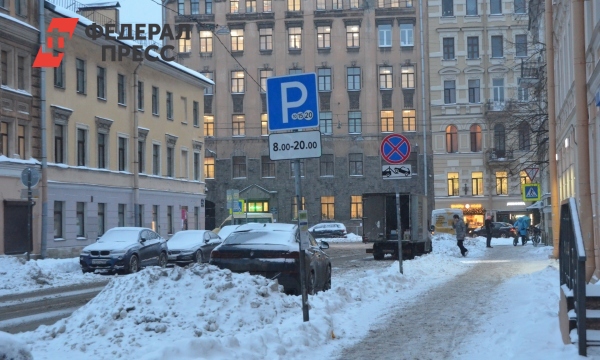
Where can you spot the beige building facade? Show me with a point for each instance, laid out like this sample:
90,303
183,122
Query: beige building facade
481,143
367,58
125,144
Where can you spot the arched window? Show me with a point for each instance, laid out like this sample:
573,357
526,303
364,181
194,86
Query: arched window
451,139
475,138
524,136
500,140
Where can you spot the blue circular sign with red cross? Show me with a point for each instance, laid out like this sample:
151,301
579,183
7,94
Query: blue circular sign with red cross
395,149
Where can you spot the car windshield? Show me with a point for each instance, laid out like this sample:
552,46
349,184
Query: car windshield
260,238
182,238
120,236
239,221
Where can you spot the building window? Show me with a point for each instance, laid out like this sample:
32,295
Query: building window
267,6
181,7
320,4
473,47
453,188
4,139
155,100
326,122
498,87
353,78
295,38
4,66
524,136
337,5
354,122
237,39
80,75
170,219
141,153
497,46
451,139
121,215
264,74
208,90
208,7
499,140
471,7
140,96
21,141
196,113
326,167
155,159
21,71
385,35
183,166
448,48
209,125
408,77
520,6
170,161
293,5
409,120
327,208
477,182
293,169
267,167
385,77
387,120
122,154
521,45
58,220
59,73
196,166
295,71
447,7
407,35
449,92
80,213
239,166
501,183
121,89
238,125
266,39
475,138
323,37
524,178
495,7
102,151
264,124
185,45
522,92
356,210
295,207
206,42
324,75
101,83
59,144
101,218
352,36
237,82
169,105
355,162
474,91
81,146
234,6
195,7
209,167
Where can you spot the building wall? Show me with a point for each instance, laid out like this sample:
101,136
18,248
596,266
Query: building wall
337,140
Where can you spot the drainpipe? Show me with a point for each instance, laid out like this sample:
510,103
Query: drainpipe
136,160
423,107
551,90
583,141
44,185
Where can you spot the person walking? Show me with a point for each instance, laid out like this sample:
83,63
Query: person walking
460,229
488,229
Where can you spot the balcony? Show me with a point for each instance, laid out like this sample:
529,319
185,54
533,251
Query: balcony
499,156
531,72
506,105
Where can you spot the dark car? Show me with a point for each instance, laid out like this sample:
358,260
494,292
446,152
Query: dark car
328,230
272,250
190,246
499,230
124,249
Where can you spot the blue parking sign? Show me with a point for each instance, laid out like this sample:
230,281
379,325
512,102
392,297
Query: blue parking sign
292,102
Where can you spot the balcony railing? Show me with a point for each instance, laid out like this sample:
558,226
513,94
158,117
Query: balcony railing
531,70
500,155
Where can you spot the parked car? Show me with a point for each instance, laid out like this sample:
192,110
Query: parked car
499,229
124,249
328,230
226,230
272,250
188,246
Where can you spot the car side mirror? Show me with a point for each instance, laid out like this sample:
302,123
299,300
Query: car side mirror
324,245
432,228
206,241
143,239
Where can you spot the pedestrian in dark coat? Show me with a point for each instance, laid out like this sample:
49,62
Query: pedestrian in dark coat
488,229
461,229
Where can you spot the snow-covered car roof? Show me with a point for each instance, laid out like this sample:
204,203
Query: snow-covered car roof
121,234
187,239
327,226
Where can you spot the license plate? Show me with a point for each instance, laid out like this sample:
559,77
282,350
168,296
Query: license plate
99,261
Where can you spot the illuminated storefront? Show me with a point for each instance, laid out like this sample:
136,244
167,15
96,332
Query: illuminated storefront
474,214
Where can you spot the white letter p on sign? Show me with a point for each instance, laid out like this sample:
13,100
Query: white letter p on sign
285,105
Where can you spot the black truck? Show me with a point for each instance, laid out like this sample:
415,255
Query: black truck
380,225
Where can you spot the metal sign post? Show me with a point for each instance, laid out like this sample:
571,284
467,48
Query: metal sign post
30,178
398,228
300,244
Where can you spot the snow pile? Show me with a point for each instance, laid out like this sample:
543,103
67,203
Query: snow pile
19,275
350,237
12,348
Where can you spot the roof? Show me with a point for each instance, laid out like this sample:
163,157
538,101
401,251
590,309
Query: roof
100,5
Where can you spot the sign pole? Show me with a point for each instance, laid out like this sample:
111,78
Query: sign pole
302,251
29,200
398,229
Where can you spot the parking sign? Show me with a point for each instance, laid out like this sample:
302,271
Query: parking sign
292,102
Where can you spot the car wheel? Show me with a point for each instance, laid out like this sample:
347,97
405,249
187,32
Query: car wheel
378,255
199,257
134,264
311,288
327,284
162,260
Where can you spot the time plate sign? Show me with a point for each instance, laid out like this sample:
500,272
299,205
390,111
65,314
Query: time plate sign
295,145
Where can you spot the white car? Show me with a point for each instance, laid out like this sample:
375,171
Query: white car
328,230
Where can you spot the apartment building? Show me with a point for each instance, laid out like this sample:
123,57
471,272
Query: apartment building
367,59
19,122
125,143
482,139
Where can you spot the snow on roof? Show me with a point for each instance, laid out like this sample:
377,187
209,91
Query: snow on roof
8,17
85,21
16,91
31,161
100,5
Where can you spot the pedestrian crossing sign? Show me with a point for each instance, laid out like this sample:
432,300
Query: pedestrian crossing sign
531,192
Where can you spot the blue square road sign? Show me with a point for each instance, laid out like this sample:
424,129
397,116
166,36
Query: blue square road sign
292,102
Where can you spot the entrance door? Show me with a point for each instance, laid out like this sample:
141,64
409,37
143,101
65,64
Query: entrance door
15,228
209,216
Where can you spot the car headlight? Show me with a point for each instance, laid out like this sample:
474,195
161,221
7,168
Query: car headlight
84,253
118,252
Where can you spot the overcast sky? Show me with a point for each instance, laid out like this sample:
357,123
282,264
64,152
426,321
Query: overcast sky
137,11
